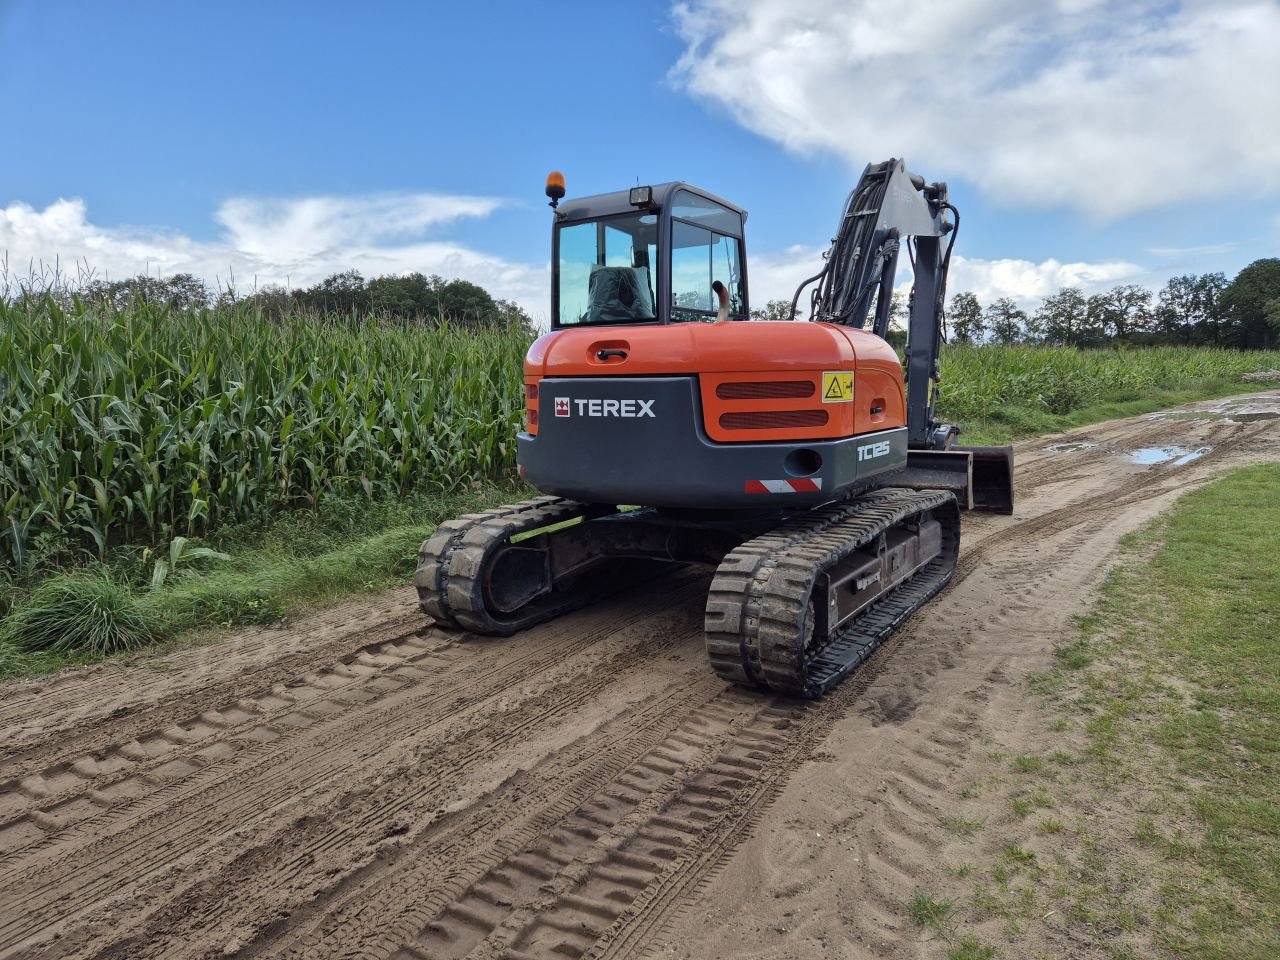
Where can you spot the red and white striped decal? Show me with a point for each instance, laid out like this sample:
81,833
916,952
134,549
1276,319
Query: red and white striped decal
784,486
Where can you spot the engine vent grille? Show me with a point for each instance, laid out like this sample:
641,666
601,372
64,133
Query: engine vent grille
765,389
773,419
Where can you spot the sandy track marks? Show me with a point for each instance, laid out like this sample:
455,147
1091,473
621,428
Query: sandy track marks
305,761
124,758
39,711
561,807
438,670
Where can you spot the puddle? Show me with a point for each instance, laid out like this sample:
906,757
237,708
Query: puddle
1069,447
1180,456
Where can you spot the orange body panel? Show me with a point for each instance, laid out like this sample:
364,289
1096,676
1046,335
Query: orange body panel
777,357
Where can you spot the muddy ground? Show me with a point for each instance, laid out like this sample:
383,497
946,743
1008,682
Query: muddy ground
361,784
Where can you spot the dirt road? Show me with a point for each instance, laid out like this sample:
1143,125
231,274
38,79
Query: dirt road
361,784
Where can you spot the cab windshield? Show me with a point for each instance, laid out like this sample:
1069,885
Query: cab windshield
609,270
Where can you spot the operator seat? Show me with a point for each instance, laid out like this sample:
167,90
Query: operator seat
619,295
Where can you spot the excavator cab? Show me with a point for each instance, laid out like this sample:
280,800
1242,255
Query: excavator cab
647,255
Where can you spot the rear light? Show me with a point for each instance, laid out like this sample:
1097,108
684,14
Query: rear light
531,408
765,390
773,419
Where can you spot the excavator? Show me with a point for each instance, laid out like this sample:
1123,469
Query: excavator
802,459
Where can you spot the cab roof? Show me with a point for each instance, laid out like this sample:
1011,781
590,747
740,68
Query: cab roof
606,204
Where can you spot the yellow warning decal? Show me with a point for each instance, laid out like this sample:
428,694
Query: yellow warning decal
837,386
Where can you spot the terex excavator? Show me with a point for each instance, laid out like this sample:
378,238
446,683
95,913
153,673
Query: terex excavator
798,458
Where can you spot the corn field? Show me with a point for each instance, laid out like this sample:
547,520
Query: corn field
979,380
145,424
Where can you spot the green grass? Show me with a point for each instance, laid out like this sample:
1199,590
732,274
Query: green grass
960,826
80,614
1026,763
971,948
1172,686
929,911
277,568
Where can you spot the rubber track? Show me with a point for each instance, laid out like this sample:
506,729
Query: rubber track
452,562
760,594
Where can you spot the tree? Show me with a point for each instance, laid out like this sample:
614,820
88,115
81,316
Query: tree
1063,318
1005,320
1272,311
513,316
965,314
773,310
1246,305
1122,310
181,291
1096,314
464,304
1188,308
338,293
899,317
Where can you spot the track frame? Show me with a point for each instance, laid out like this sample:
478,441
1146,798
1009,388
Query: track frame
797,602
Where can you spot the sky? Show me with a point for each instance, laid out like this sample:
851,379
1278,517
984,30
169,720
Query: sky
1085,143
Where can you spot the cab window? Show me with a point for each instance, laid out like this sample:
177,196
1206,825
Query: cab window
699,257
706,213
608,271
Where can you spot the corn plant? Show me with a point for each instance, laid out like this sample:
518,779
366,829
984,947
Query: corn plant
146,424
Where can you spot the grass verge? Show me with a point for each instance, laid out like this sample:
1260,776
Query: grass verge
278,567
1160,830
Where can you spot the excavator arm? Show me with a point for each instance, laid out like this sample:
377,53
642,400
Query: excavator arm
890,208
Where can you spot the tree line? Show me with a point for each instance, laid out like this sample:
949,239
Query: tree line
1194,309
414,298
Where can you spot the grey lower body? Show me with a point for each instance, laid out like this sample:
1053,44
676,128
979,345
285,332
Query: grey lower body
641,440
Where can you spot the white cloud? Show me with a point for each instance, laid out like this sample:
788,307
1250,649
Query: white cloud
1201,251
294,242
1110,108
299,242
1029,282
775,276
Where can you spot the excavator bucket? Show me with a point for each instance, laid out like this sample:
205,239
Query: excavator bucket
980,477
992,483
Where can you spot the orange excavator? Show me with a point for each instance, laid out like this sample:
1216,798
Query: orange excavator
801,459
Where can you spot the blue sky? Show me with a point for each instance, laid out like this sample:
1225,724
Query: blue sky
1084,142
